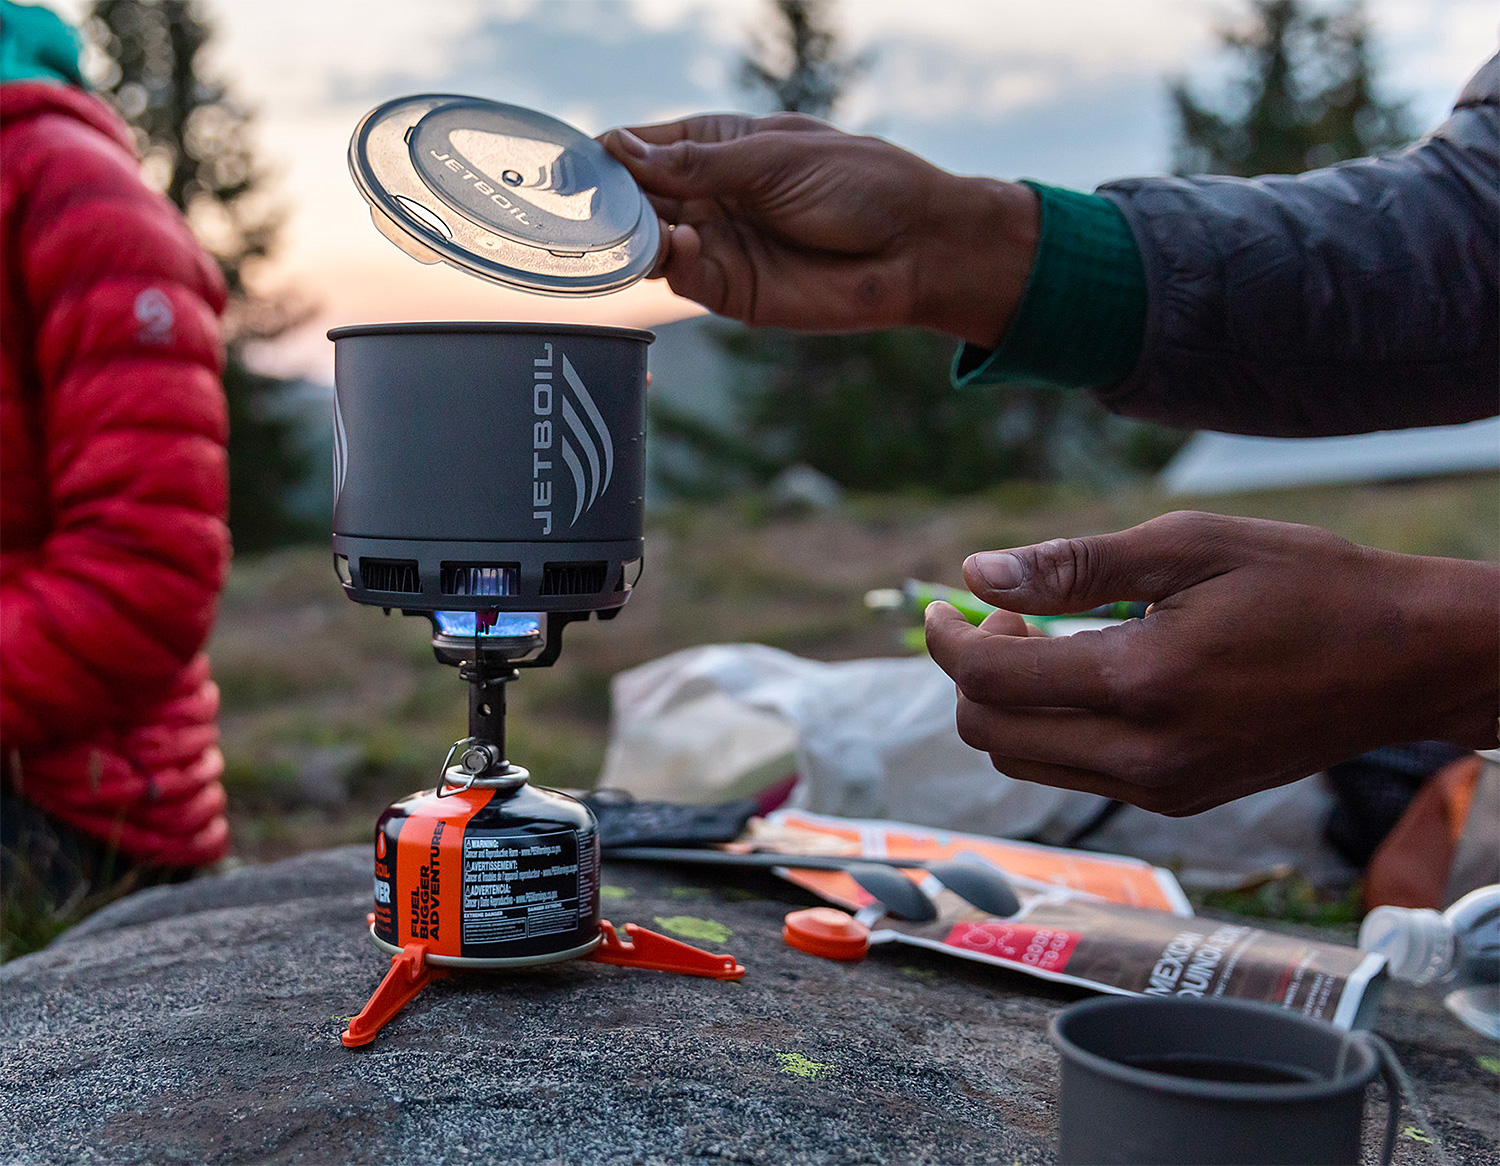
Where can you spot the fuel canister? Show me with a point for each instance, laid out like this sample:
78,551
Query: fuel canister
488,877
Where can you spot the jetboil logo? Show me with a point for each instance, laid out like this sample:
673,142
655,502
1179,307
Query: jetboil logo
517,174
340,450
567,423
481,186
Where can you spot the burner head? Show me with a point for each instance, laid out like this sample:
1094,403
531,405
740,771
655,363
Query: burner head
489,467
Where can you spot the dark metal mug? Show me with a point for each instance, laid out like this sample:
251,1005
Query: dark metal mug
485,467
1173,1080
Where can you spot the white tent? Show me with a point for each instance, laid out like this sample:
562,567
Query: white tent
1224,463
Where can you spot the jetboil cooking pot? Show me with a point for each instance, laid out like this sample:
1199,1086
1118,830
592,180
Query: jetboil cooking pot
490,467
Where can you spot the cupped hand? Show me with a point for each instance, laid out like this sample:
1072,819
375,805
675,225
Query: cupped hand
1270,651
789,222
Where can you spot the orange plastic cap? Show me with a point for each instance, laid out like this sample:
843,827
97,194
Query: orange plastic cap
826,932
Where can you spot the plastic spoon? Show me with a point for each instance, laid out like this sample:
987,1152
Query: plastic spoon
978,882
897,894
969,876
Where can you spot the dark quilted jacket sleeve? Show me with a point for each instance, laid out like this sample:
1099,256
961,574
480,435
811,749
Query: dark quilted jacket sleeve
1350,299
123,307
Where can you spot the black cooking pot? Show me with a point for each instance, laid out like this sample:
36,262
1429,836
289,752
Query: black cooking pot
496,467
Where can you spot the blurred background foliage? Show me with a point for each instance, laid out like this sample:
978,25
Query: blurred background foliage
1303,93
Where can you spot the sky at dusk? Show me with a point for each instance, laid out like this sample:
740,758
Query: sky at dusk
1071,92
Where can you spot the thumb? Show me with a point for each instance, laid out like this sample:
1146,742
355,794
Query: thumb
688,169
1146,563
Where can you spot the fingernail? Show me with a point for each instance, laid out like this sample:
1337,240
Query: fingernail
1002,571
631,144
940,610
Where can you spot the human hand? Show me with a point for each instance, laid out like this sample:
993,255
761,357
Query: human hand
789,222
1270,651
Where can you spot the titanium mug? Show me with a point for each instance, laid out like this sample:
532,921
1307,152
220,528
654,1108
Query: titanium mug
1173,1080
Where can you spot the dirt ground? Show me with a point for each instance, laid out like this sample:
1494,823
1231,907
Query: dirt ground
332,710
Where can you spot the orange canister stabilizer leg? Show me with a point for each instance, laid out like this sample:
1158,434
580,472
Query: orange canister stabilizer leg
646,949
410,973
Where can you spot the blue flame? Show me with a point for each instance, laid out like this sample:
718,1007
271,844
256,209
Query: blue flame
508,624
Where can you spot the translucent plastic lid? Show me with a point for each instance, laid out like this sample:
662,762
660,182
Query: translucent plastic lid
504,193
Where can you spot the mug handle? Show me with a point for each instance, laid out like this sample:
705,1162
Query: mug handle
1398,1089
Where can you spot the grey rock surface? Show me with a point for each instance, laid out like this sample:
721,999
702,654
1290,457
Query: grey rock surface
200,1023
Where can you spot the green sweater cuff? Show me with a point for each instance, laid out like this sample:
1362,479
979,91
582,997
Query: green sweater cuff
1082,318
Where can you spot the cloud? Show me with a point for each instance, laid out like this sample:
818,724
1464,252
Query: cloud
1098,131
1428,51
924,81
591,61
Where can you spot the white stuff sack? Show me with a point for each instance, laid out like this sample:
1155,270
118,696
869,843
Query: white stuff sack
878,739
867,738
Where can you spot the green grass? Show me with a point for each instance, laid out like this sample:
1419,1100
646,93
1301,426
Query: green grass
31,913
29,922
1288,900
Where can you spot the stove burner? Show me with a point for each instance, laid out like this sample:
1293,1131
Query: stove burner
484,871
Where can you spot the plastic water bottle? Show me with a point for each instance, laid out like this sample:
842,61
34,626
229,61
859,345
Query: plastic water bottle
1457,951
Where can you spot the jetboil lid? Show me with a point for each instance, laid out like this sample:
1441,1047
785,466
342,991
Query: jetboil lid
504,193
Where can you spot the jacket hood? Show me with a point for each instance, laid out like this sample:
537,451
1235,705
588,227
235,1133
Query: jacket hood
37,45
26,99
39,73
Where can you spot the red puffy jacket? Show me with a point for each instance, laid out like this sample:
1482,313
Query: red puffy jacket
113,487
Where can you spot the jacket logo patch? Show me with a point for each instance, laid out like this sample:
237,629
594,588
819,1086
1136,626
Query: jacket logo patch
154,318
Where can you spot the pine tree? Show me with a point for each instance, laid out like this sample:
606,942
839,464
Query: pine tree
799,62
1306,96
195,139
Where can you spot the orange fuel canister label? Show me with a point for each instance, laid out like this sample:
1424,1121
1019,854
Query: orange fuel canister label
426,893
418,875
386,835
